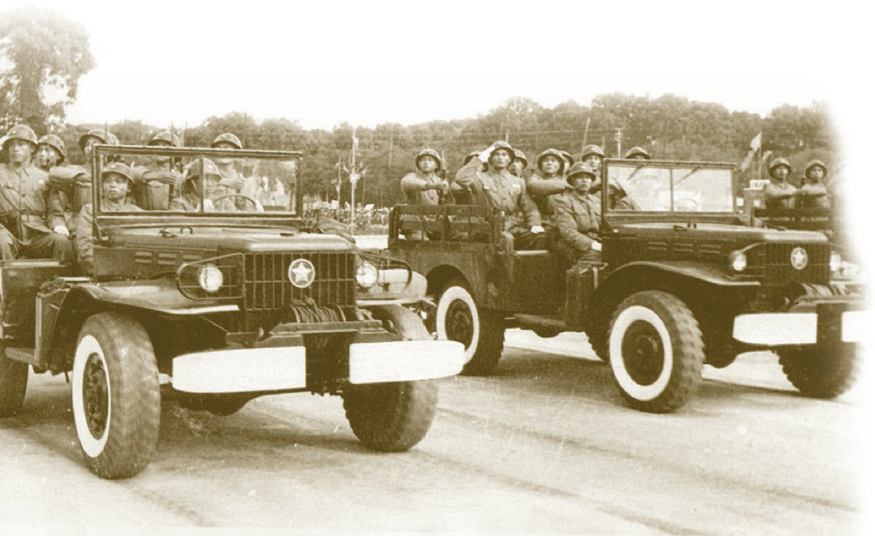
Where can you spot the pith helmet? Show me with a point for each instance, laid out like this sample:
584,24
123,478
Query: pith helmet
227,137
55,143
96,133
193,170
552,152
779,162
502,145
165,136
814,164
521,156
578,169
568,158
429,152
119,169
592,150
20,132
637,151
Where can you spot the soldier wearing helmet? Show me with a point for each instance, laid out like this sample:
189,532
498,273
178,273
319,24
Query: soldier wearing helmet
637,153
233,183
50,152
198,184
89,139
569,160
577,217
156,181
497,188
813,193
24,230
116,181
425,186
520,163
779,193
593,155
547,181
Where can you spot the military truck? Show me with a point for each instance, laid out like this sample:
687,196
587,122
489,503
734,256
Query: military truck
235,299
684,280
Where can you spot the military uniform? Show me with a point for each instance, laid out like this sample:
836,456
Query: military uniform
414,184
814,192
84,236
153,186
577,222
543,188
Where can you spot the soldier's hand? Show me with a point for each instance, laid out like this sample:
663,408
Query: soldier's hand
537,229
596,246
61,230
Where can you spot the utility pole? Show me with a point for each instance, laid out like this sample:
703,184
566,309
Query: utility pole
353,179
619,139
585,132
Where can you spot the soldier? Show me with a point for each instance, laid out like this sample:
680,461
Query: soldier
497,188
155,182
592,156
89,139
546,181
232,181
577,217
813,193
50,152
779,193
116,180
569,160
24,230
190,198
519,164
637,153
424,186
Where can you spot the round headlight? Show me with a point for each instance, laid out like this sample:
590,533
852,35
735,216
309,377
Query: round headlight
738,261
835,262
210,278
366,275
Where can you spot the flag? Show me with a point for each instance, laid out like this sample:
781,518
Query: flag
747,160
756,142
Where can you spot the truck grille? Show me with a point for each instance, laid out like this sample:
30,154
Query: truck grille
777,270
267,285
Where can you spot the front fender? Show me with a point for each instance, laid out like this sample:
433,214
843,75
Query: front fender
692,269
160,296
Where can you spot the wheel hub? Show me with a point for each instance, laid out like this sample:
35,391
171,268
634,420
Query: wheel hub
460,323
643,352
95,395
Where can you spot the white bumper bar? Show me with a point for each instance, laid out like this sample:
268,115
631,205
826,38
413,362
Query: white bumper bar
774,329
277,369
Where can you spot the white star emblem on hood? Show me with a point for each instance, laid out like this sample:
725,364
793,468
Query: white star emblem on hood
301,273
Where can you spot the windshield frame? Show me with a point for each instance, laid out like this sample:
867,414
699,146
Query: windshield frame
609,216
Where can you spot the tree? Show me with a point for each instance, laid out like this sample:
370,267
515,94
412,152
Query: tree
43,55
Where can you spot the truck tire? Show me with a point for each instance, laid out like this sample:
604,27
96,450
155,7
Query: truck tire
819,373
13,385
656,351
116,395
391,417
458,318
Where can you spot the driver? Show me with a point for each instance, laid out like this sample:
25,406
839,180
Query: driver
190,199
116,180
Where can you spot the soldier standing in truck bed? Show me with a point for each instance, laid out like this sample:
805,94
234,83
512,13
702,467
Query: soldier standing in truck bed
425,186
779,193
813,193
497,188
547,181
24,232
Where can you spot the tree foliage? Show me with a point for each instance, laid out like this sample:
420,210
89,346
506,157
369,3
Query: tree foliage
42,57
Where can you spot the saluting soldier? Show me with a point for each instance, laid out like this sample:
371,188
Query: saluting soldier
577,217
23,226
813,193
190,199
778,192
116,181
547,181
497,188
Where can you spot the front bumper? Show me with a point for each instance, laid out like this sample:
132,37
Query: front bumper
285,368
822,326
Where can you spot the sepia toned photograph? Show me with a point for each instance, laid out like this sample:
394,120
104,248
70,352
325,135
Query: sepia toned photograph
466,267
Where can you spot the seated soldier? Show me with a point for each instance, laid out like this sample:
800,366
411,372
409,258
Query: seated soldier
496,188
577,217
194,184
116,180
154,182
23,212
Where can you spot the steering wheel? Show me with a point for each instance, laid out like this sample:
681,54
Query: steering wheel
255,204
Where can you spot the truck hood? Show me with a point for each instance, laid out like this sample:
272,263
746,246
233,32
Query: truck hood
228,239
722,231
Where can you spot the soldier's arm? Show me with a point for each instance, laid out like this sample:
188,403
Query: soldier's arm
412,183
84,240
55,208
772,193
538,186
467,175
529,208
566,225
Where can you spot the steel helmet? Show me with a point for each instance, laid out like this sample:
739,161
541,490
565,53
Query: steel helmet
568,158
637,151
590,150
552,152
112,139
193,170
578,169
816,163
472,154
519,155
502,145
779,162
227,137
21,132
119,169
429,152
55,143
165,136
97,133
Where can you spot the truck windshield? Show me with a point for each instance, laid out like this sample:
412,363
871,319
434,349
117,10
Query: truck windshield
637,186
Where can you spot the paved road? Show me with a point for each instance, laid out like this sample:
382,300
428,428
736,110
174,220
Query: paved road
544,446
